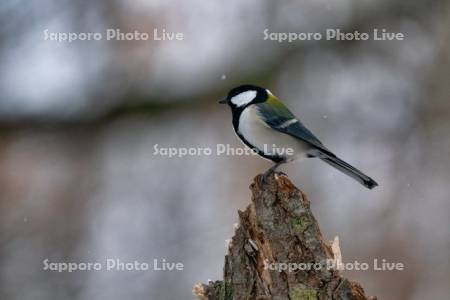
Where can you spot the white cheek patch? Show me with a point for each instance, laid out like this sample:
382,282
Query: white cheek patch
243,98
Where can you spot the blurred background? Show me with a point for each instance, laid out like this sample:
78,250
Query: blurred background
79,181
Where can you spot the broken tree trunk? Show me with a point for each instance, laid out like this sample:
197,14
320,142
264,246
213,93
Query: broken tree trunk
278,252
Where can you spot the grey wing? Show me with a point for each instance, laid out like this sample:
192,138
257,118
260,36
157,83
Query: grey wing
282,120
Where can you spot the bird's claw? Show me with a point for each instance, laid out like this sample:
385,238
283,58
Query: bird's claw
265,177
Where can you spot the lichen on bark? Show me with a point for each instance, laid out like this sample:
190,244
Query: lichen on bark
278,227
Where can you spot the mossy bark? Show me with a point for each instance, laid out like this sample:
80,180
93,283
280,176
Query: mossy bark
278,229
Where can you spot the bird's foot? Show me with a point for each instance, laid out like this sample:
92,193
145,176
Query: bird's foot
265,176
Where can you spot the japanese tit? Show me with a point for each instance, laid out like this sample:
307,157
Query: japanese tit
265,124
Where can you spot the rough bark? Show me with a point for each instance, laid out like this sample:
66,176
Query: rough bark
278,227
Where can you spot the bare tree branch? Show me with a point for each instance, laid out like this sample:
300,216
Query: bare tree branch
278,230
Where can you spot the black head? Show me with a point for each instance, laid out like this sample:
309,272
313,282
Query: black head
244,95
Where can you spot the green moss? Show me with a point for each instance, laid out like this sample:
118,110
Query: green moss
301,223
302,293
227,291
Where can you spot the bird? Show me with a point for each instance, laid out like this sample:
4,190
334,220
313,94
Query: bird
267,126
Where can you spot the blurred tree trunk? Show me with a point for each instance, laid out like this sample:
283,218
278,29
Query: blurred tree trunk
276,230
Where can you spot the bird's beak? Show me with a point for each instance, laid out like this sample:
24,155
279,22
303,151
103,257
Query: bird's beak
223,101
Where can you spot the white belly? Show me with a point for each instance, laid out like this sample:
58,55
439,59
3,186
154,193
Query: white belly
268,140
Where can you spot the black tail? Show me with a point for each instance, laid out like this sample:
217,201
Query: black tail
350,171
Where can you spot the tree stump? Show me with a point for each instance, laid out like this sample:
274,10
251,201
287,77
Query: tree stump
278,252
